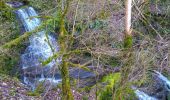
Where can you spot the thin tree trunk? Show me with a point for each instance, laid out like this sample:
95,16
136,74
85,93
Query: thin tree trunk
128,17
66,90
128,35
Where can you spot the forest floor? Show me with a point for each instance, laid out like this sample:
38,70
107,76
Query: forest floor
13,89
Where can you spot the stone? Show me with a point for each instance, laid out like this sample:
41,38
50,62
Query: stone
14,4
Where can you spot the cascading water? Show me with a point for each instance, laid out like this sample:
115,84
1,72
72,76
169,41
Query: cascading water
143,96
41,47
161,78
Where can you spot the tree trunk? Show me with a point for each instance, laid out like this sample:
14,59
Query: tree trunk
128,35
66,91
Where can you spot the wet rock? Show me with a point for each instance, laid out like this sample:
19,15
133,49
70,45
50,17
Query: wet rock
81,74
14,4
37,71
89,78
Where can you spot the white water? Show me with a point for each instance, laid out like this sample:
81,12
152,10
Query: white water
143,96
165,81
38,50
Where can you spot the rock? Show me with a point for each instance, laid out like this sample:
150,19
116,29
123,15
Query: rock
81,74
38,70
14,4
4,84
89,78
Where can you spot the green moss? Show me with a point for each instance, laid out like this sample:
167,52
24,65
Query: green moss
128,41
33,93
103,14
87,89
106,95
123,92
113,90
111,79
7,64
9,30
85,97
107,92
6,12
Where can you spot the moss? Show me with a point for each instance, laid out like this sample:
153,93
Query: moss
128,41
87,89
7,64
123,93
85,97
107,92
6,12
66,90
106,95
111,78
33,93
103,14
9,30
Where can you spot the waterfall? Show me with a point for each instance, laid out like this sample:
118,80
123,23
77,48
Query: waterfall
163,79
166,86
143,96
39,50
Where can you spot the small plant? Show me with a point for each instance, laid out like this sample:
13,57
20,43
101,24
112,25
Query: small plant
110,80
38,91
12,92
85,98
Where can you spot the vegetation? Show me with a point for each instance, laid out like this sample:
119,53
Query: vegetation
96,36
111,79
38,91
